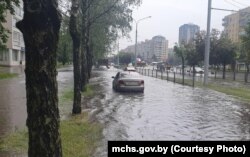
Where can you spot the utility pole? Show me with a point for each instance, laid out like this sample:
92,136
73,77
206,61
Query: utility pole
207,45
118,55
136,44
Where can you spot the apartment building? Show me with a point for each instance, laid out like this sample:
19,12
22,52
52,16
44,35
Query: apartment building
187,33
234,24
148,50
15,53
159,47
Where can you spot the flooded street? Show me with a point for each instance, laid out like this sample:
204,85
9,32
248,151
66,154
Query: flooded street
13,98
165,111
168,111
12,102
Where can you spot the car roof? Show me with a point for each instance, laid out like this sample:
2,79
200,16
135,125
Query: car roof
130,69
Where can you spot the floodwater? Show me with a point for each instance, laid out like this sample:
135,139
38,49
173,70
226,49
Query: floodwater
165,111
13,112
168,111
12,101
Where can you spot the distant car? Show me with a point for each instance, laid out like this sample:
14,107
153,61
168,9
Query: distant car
129,68
197,70
128,81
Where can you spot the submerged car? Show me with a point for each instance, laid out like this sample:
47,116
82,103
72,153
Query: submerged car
128,82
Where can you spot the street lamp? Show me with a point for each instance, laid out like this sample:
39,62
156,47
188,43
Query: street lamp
137,22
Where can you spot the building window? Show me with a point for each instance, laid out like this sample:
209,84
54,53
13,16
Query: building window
16,38
22,56
4,56
14,55
14,20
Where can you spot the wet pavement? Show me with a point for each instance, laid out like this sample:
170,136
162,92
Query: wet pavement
168,111
12,101
165,111
13,97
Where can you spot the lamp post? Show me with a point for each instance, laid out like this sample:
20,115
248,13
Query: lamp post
207,45
136,33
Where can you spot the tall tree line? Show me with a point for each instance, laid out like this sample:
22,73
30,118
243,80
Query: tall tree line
94,27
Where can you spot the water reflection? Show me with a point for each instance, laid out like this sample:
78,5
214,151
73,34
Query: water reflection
168,111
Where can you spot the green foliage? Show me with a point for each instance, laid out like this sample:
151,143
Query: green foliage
125,57
173,59
5,5
64,50
226,51
180,52
193,57
105,30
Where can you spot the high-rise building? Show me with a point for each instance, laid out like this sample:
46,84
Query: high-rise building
159,47
234,24
151,50
15,52
187,33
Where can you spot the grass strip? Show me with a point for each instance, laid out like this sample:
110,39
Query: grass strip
7,75
79,136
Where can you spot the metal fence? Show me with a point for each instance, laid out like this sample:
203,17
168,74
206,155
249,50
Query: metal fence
177,75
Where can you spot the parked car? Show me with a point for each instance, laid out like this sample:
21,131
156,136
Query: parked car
128,81
197,70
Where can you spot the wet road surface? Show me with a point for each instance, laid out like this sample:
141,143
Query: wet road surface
165,111
168,111
13,98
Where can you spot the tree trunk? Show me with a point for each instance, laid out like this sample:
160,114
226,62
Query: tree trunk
193,75
224,71
88,52
84,76
247,72
76,57
88,55
40,27
182,70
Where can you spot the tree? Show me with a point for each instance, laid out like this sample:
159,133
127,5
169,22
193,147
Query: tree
193,57
226,53
85,14
246,49
5,5
64,50
124,58
40,27
180,51
75,34
213,57
105,20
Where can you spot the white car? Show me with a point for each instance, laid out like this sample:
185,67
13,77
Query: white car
197,70
130,68
128,81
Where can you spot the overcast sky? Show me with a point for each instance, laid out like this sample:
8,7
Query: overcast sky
169,15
